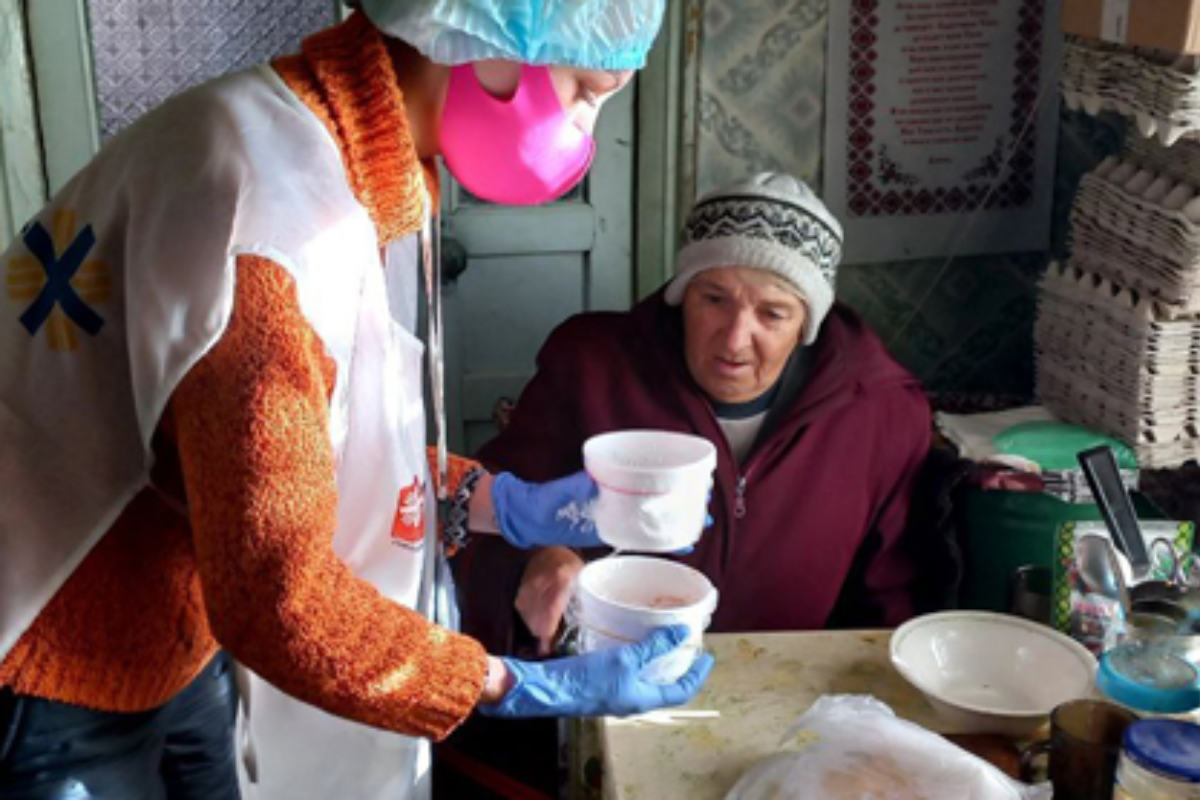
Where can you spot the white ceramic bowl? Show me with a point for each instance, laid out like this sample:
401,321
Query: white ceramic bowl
991,673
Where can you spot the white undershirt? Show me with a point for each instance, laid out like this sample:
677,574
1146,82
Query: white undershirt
741,433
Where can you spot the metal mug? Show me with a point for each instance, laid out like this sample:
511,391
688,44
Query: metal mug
1029,589
1084,744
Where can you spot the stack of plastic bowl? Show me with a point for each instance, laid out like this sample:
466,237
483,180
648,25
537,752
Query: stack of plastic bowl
653,498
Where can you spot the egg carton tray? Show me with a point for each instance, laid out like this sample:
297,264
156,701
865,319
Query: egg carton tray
1150,455
1144,203
1161,95
1130,402
1179,162
1096,350
1055,323
1071,397
1064,324
1139,270
1093,327
1122,385
1089,315
1124,399
1136,239
1164,83
1135,310
1136,421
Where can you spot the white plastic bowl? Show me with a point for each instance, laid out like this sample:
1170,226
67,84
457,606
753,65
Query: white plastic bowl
991,673
653,488
620,599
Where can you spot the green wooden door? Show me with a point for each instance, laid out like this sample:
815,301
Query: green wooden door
527,270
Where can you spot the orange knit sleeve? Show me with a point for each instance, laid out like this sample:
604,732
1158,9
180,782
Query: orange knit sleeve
251,425
457,468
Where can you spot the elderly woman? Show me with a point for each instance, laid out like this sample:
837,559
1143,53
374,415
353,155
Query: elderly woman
819,433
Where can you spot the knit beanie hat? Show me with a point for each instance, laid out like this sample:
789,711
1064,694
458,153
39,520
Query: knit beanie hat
773,222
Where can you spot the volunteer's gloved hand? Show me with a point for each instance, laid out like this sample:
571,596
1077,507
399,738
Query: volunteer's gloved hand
599,684
544,514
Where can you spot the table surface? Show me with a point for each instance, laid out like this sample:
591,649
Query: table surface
760,685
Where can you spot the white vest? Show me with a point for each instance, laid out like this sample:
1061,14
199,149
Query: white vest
121,285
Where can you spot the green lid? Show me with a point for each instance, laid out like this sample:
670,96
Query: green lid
1053,445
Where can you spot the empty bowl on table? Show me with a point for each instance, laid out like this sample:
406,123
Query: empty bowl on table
991,673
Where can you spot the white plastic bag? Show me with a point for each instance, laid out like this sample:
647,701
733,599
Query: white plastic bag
858,749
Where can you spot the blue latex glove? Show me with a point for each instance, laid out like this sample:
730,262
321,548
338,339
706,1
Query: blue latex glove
544,514
600,684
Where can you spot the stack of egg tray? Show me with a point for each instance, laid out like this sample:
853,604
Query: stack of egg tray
1180,161
1141,230
1119,363
1160,92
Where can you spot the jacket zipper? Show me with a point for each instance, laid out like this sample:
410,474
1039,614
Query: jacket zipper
743,480
743,476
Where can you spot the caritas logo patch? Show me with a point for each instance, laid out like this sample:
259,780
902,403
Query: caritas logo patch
408,528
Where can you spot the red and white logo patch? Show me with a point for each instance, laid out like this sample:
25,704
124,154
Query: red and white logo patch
408,528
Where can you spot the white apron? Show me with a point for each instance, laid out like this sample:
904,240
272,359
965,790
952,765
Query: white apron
292,750
238,166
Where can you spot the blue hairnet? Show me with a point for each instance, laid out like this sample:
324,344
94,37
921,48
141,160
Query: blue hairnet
592,34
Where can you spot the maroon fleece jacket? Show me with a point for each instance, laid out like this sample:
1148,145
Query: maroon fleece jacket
823,498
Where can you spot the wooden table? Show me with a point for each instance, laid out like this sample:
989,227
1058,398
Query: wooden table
760,685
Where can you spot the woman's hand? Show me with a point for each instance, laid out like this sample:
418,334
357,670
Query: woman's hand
545,591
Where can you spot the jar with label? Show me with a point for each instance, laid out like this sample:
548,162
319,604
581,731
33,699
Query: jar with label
1160,760
1149,680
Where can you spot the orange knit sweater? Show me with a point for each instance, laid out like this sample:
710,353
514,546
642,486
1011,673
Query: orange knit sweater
234,545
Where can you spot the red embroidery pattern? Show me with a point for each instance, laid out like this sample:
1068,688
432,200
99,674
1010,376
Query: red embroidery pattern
873,194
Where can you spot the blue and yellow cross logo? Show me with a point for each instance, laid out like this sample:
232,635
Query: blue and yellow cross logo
59,281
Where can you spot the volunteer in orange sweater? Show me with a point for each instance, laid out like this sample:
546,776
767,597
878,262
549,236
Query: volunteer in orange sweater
212,432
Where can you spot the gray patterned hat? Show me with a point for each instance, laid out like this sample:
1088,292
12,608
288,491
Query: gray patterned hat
773,222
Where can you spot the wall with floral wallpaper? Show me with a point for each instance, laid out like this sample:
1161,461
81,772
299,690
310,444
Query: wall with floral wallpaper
760,107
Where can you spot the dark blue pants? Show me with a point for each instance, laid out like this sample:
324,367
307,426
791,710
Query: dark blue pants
180,751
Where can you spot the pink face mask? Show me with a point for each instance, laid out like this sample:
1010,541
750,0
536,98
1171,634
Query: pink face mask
522,151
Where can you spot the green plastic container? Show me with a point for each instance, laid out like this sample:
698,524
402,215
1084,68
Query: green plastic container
1055,446
1006,530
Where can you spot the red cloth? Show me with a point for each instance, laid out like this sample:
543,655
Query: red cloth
826,493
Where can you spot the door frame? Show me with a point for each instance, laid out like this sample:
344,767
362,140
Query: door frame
60,44
667,131
599,227
22,175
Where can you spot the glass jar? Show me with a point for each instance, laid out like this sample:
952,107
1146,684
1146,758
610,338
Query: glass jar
1160,760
